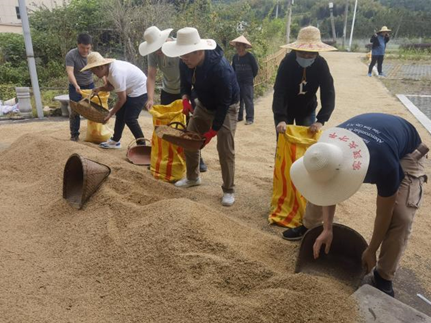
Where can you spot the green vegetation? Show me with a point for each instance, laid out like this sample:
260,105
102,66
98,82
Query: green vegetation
117,28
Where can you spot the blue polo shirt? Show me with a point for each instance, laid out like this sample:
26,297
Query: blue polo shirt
388,138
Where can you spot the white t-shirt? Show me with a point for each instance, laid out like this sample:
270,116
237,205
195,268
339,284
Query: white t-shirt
125,76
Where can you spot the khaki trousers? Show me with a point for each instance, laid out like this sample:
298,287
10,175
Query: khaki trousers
408,201
201,122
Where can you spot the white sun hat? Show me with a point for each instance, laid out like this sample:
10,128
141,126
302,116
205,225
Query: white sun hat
95,59
154,39
188,40
309,40
332,169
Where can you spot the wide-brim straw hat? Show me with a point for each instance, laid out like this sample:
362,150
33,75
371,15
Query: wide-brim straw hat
384,29
154,39
95,59
241,39
188,41
332,169
309,40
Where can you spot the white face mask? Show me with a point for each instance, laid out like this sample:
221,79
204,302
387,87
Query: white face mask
305,62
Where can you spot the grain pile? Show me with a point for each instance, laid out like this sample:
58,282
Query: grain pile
140,251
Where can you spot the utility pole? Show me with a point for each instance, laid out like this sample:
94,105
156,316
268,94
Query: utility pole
346,12
353,25
30,57
276,10
289,19
331,10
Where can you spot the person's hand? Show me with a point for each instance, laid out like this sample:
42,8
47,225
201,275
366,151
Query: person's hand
315,127
109,116
187,107
149,104
78,89
281,127
368,259
325,238
96,90
209,135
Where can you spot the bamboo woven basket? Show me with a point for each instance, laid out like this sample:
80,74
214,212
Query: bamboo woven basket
181,137
81,178
89,109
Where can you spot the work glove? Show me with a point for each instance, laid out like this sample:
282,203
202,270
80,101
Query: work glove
209,135
187,107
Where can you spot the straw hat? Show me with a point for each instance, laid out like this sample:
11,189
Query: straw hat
332,169
384,29
95,59
241,39
154,39
188,40
309,41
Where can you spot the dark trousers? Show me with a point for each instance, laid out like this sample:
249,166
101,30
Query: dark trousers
128,115
379,60
246,100
74,118
167,98
302,121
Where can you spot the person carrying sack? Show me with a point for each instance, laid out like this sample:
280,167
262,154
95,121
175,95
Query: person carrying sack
207,79
152,47
301,73
374,148
130,84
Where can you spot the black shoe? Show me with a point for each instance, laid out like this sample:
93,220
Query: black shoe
202,166
382,284
294,233
74,138
239,120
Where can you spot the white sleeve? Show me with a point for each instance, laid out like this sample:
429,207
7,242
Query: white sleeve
118,80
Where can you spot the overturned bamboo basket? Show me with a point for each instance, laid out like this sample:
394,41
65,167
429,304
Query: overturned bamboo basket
81,178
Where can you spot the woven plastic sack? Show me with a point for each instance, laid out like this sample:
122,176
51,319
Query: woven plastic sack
287,204
97,132
168,162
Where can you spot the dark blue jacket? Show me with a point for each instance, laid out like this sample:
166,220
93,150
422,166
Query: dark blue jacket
214,84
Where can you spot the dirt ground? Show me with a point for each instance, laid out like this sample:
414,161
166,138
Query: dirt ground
142,250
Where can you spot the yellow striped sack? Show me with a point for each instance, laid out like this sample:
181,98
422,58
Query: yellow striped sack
168,162
287,204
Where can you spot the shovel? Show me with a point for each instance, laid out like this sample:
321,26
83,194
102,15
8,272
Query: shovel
343,260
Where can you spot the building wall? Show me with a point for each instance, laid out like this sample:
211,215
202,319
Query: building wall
9,14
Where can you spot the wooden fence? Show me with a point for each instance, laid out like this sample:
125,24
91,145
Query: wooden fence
269,66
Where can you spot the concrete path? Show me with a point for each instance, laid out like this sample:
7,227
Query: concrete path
377,307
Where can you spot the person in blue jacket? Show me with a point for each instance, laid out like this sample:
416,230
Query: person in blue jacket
208,83
379,41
